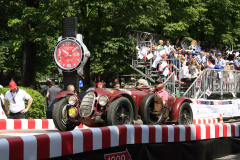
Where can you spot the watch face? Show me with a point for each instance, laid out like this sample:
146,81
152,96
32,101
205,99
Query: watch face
68,54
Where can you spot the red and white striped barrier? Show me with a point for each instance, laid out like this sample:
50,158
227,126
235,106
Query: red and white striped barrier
205,121
8,124
78,141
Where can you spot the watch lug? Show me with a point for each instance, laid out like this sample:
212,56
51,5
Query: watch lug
60,38
60,71
85,50
80,71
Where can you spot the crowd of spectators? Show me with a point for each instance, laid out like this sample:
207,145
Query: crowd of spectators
178,57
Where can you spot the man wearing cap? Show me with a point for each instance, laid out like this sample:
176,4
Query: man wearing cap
227,67
16,98
219,63
100,85
160,92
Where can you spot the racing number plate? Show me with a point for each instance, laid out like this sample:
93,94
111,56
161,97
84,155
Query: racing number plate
72,111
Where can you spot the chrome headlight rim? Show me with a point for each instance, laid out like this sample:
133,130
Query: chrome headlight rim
72,100
103,100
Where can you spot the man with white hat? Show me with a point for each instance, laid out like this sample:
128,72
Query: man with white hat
227,67
16,98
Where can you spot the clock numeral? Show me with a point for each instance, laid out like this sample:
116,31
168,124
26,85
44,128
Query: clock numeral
78,60
68,43
69,65
59,52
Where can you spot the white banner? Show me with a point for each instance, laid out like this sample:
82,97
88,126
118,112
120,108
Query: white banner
213,108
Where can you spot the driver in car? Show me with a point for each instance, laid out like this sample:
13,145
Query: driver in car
142,83
160,95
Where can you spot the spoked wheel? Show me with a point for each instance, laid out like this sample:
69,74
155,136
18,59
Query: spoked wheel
146,109
123,114
120,112
154,118
60,117
185,114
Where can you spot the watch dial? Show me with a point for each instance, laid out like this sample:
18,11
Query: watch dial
68,54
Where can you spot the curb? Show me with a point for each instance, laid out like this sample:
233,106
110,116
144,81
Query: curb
78,141
205,121
8,124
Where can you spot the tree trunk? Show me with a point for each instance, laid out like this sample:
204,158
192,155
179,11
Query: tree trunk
29,58
29,52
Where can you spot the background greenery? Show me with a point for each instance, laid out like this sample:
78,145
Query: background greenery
38,108
30,28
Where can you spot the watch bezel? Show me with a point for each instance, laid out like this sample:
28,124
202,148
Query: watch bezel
55,58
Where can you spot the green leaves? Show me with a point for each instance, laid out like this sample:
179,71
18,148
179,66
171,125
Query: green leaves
103,25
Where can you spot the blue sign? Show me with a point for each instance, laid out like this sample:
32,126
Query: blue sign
80,83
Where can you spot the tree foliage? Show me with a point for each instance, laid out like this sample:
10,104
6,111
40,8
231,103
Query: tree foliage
103,25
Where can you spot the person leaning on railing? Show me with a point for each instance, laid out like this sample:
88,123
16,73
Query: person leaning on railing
185,76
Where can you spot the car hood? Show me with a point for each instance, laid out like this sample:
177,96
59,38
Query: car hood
114,92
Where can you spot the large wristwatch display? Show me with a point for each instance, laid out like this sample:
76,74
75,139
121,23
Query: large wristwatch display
70,53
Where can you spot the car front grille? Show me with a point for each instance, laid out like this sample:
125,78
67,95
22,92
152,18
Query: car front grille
87,104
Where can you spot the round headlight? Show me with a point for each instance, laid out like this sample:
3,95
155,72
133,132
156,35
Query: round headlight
72,100
103,100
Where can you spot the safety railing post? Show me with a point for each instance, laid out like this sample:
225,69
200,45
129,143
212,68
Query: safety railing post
221,83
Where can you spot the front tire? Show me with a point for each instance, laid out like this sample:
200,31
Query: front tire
60,117
146,109
185,114
119,112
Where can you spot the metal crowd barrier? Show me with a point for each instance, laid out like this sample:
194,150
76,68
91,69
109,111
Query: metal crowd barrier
215,84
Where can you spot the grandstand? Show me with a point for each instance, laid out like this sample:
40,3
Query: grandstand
153,60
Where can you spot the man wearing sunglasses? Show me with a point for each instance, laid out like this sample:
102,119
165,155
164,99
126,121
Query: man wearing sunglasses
16,98
160,95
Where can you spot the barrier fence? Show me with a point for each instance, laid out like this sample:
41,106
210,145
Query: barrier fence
81,141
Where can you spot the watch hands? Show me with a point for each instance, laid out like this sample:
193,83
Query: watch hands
72,51
65,52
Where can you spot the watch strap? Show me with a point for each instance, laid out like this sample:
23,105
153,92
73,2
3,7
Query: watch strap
71,78
69,27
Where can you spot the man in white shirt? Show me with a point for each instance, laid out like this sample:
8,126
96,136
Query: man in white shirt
198,47
185,76
16,98
201,59
167,47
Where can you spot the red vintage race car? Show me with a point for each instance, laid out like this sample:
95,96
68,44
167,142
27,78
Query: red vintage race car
102,107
